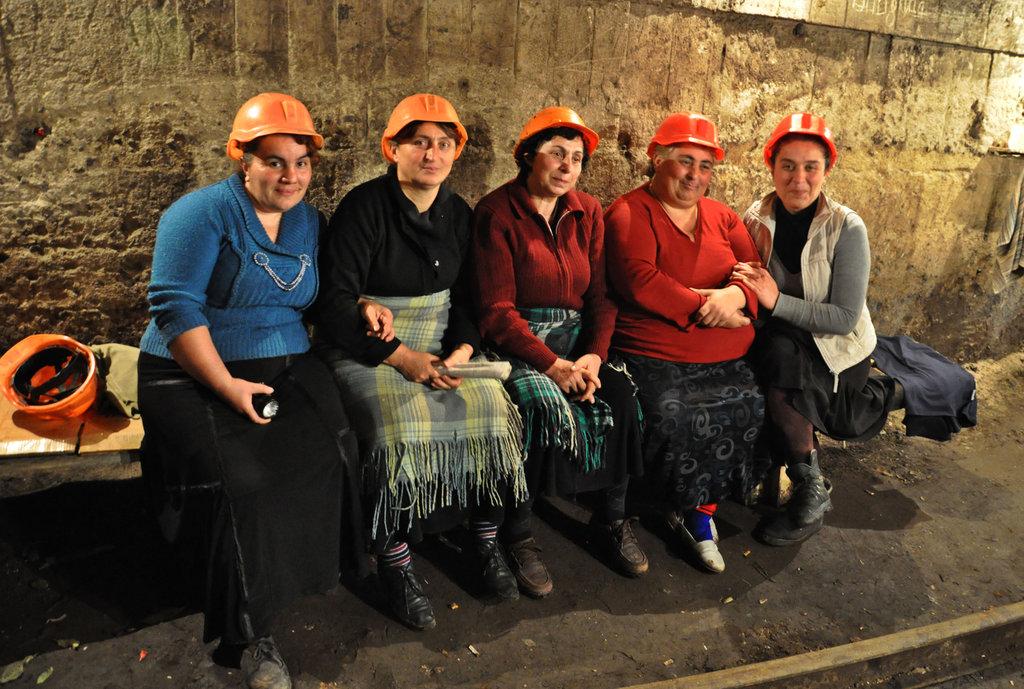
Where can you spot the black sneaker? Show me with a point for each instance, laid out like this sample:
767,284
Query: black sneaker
497,577
264,667
404,592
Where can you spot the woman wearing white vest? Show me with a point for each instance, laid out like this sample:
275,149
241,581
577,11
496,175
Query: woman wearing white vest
812,351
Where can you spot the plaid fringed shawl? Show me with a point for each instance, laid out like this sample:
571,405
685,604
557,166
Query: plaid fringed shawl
550,419
425,449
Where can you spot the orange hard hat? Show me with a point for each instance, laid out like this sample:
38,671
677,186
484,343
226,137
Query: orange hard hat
558,116
270,113
687,128
50,376
421,107
801,123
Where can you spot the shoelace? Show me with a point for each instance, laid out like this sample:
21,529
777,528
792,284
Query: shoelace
413,581
624,531
267,650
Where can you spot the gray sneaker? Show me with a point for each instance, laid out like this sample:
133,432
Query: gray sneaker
264,667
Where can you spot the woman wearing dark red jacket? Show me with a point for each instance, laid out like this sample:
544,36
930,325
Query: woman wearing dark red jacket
683,328
539,252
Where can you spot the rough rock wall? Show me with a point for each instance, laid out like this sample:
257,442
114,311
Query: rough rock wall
111,109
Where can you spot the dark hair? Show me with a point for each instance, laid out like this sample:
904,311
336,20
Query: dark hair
528,149
409,131
803,137
249,148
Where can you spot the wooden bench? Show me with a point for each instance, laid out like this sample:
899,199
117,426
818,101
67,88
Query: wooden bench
36,454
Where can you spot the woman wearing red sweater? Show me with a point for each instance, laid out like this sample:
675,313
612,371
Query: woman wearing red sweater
683,327
539,251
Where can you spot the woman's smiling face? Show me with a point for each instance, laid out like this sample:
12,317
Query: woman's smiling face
799,173
277,174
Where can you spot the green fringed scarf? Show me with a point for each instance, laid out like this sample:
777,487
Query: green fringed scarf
550,419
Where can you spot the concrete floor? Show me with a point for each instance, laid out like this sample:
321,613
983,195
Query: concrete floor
921,532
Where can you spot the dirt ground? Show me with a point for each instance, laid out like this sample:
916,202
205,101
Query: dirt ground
921,532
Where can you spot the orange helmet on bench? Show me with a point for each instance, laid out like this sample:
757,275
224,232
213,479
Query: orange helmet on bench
51,376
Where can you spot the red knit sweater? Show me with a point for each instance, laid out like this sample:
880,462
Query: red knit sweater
518,263
652,266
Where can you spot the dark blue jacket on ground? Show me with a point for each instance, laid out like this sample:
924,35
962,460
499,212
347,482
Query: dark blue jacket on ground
940,396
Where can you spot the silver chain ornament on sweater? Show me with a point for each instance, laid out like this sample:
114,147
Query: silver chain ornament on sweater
263,261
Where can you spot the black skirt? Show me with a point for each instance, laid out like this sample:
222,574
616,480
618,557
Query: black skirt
551,471
702,422
855,408
272,508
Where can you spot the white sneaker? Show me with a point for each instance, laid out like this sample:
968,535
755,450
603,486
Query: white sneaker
707,551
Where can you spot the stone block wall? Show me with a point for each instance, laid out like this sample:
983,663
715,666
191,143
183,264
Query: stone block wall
110,110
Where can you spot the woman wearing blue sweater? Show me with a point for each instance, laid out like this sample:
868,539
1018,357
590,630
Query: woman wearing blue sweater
234,266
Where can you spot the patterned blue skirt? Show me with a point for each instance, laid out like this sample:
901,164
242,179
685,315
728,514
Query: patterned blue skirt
702,422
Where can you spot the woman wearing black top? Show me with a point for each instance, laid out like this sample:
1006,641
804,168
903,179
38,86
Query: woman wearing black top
813,352
432,446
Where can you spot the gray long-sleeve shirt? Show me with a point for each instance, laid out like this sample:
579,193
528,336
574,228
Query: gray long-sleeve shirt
837,315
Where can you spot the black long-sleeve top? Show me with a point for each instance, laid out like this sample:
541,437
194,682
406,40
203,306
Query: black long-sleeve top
379,244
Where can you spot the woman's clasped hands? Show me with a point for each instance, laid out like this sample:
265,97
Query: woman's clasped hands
422,367
723,308
578,379
755,276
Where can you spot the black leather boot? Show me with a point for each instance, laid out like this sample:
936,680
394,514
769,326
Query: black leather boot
781,531
805,511
498,578
404,592
810,500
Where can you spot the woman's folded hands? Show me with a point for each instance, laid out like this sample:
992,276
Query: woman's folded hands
578,379
723,308
759,280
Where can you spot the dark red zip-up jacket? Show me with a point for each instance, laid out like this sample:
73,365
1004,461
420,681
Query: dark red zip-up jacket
519,263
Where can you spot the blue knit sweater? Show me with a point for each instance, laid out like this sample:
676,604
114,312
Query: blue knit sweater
214,266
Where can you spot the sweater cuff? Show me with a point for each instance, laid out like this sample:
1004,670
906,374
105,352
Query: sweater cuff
172,328
598,345
751,305
694,318
541,359
785,307
379,350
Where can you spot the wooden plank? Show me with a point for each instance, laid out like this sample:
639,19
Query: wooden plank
23,475
863,662
23,434
110,434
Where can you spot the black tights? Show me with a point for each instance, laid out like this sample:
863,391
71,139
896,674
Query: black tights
517,519
791,431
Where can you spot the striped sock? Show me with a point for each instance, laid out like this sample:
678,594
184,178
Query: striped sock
484,531
397,555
